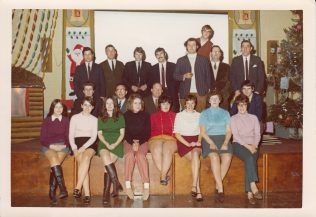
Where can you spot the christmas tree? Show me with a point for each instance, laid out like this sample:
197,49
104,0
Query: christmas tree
286,76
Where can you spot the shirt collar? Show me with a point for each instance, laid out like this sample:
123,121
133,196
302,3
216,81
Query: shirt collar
59,117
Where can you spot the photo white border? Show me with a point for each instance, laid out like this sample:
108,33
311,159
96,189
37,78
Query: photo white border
309,151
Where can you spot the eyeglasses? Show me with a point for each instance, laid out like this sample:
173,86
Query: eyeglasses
87,105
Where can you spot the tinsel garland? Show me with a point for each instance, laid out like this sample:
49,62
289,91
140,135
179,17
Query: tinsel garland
17,29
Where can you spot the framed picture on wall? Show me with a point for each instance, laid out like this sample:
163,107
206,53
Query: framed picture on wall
245,18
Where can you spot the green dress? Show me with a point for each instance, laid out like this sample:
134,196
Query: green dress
111,131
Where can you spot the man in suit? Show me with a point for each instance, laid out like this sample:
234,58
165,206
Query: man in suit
88,90
120,93
112,69
247,67
162,72
89,71
151,102
220,75
136,73
207,34
193,72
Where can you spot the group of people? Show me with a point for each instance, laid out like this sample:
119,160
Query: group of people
198,106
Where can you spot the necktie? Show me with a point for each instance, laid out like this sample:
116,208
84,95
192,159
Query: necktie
112,66
138,73
215,66
89,70
119,103
246,66
156,103
163,76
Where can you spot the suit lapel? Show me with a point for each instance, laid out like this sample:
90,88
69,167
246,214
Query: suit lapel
251,63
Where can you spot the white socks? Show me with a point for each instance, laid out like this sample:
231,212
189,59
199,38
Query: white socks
128,184
146,185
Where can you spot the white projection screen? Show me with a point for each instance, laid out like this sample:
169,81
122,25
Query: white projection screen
149,30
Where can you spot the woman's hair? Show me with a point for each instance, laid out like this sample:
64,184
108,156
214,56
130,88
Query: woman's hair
163,99
213,93
140,50
88,99
191,97
52,106
104,113
130,101
242,99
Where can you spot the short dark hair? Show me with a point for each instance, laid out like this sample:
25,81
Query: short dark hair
140,50
52,106
121,84
164,99
220,50
242,99
88,99
159,49
208,27
85,49
191,97
247,83
88,83
198,45
110,45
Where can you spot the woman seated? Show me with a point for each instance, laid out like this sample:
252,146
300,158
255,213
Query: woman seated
135,145
216,133
162,143
55,146
246,136
82,138
187,131
111,129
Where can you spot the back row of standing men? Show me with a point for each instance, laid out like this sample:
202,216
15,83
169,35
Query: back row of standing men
196,73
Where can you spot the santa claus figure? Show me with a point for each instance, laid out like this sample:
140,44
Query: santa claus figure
75,57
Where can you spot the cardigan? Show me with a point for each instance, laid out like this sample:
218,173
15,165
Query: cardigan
162,123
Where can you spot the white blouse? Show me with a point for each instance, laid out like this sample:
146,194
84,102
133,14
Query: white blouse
187,123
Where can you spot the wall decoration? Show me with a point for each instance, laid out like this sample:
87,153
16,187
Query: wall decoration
77,17
245,18
239,35
76,39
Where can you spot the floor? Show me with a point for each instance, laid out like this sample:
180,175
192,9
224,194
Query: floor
272,200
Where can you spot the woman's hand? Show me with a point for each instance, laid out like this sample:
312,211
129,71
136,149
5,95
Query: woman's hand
224,147
252,149
75,151
81,150
192,144
135,147
213,146
112,146
198,143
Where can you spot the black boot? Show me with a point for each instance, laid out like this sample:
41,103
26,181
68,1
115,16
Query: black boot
116,183
106,189
58,173
52,187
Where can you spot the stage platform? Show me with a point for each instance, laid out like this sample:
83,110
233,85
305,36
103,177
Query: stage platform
279,171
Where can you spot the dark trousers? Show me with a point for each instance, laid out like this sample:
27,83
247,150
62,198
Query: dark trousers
250,163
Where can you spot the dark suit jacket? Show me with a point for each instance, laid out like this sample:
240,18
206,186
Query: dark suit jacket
96,76
112,78
172,85
254,108
123,108
202,75
221,83
256,73
130,76
150,105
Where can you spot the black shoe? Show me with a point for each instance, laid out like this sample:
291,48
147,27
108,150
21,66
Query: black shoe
193,193
86,199
116,183
76,193
106,189
58,174
52,187
219,197
165,181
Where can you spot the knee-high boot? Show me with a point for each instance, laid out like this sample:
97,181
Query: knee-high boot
58,173
52,187
106,189
116,183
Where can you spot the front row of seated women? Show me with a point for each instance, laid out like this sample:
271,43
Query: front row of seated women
163,133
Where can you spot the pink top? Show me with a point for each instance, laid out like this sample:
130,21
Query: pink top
246,129
83,126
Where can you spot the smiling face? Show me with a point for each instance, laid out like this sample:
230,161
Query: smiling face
247,90
246,48
206,34
58,109
214,101
160,55
88,91
242,107
156,90
137,105
189,105
138,56
165,107
109,105
216,54
86,107
120,92
191,47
